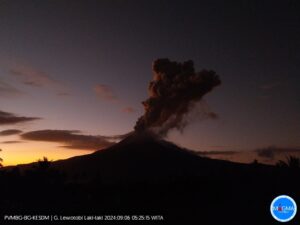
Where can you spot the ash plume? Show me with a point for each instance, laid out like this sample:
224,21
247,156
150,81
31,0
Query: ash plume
173,93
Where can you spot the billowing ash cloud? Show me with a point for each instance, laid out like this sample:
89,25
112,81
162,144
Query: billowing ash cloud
173,92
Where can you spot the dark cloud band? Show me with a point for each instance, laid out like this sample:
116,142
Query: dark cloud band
7,118
72,139
10,132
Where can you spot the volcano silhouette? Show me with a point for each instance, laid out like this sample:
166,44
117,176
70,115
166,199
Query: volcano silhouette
141,157
145,175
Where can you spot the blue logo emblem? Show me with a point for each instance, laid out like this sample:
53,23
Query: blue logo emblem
283,208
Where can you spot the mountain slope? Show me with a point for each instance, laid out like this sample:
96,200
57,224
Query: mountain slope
141,158
142,175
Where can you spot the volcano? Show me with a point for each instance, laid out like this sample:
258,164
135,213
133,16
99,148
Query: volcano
141,157
144,175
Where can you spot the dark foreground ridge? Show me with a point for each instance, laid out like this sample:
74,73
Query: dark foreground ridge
143,175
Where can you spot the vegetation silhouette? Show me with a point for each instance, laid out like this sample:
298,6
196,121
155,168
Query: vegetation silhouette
142,176
1,160
291,162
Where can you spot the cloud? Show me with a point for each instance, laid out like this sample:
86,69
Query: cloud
10,132
72,139
270,86
129,110
118,137
11,142
104,92
220,146
218,153
266,152
7,90
272,151
268,89
31,76
7,118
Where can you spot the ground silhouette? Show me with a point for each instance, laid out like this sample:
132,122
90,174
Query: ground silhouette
143,175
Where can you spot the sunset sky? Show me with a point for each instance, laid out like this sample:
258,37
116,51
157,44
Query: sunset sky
74,73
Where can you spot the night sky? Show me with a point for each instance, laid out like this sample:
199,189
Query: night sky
74,73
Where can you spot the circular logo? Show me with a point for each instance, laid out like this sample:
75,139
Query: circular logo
283,208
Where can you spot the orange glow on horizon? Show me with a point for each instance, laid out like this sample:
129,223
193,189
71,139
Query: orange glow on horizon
22,153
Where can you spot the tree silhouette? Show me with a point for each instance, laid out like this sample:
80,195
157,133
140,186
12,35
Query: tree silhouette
43,164
1,160
292,162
